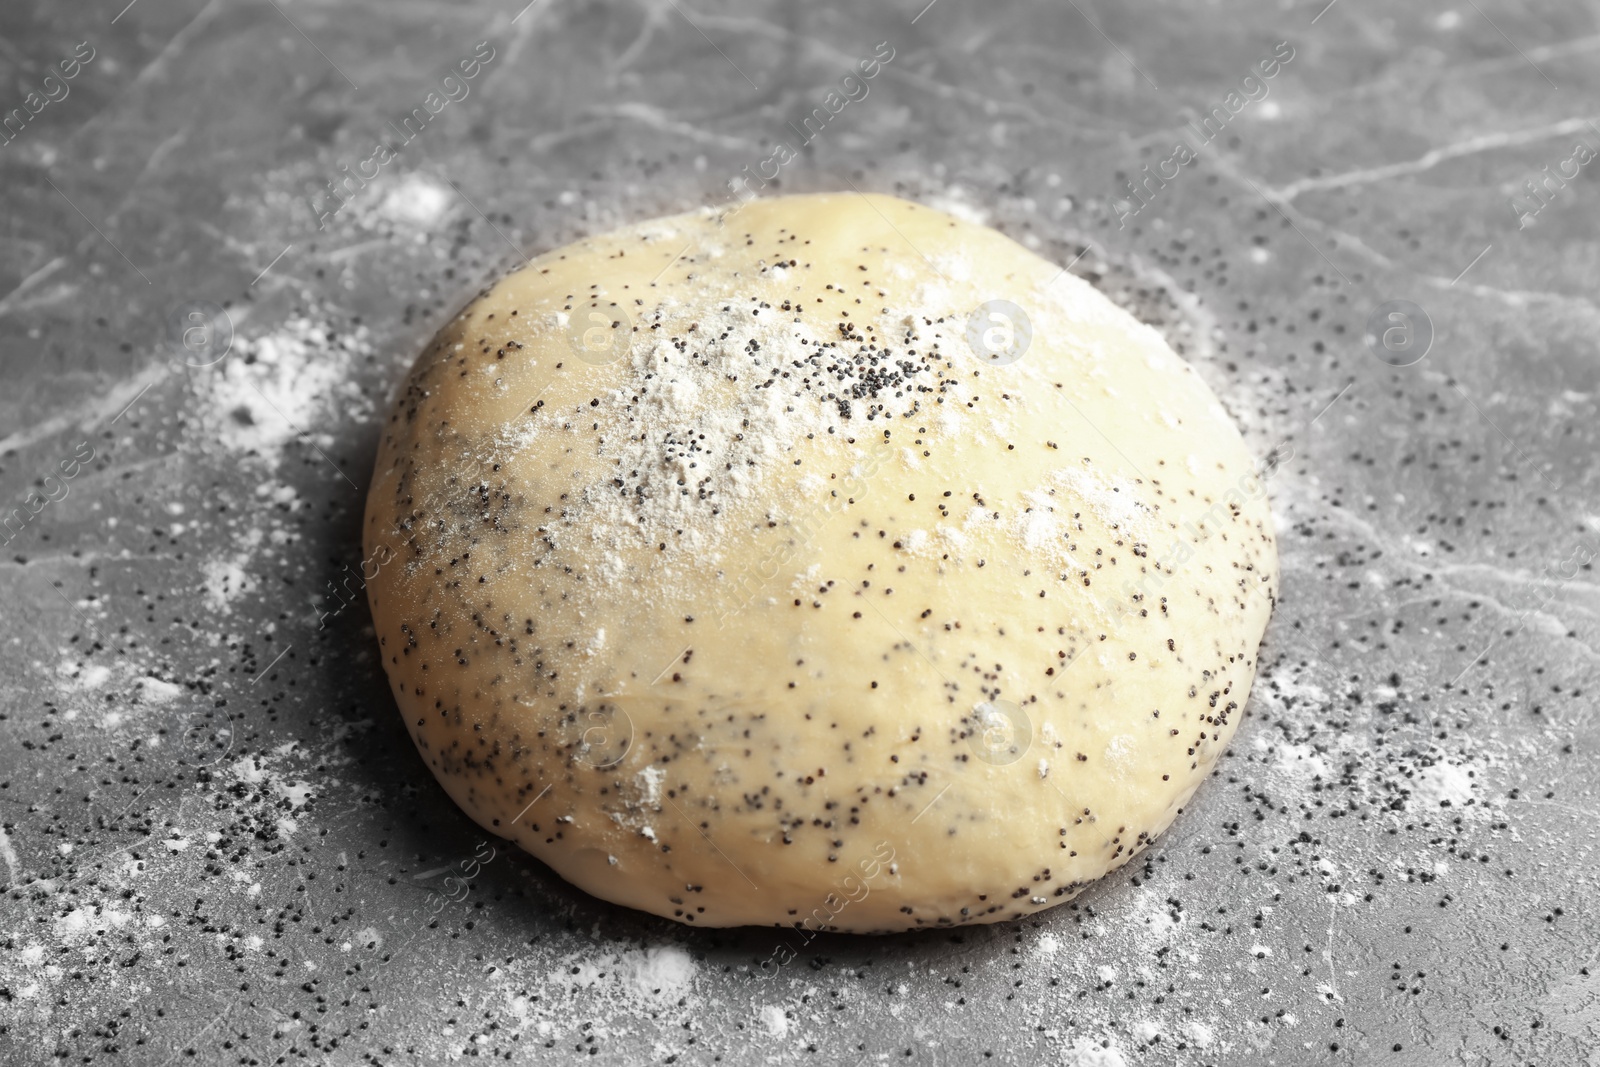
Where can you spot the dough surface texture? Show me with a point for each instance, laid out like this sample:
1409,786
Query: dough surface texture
766,566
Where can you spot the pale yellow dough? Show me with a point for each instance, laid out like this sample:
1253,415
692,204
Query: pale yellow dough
657,608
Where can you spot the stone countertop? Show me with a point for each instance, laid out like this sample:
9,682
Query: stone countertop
217,837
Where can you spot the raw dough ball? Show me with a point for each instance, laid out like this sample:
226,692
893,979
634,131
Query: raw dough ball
756,567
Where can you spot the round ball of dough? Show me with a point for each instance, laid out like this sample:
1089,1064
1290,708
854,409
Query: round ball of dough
828,561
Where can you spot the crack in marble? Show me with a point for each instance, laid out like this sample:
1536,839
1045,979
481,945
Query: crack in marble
12,300
1441,571
662,122
656,16
1082,121
105,405
1590,812
1433,157
162,150
523,31
85,559
1515,577
1345,241
1388,86
179,42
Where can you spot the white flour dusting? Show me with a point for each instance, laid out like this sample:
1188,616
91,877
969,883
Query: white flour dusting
1086,1052
774,1021
649,781
275,387
415,200
1444,784
718,399
659,972
554,996
224,578
275,393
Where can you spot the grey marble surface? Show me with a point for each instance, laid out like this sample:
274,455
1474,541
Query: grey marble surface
219,844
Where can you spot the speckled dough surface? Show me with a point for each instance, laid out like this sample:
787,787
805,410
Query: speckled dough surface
755,567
